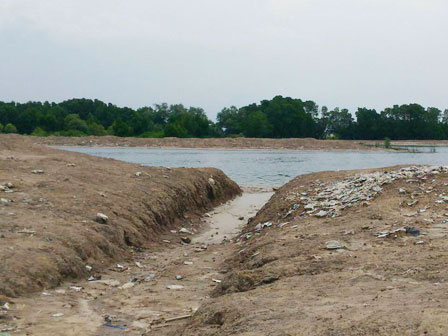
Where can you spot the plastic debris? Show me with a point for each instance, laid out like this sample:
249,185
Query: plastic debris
110,325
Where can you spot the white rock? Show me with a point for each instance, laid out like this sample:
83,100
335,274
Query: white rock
128,285
37,171
101,218
175,287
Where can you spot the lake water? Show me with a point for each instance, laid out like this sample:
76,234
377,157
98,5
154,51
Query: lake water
262,168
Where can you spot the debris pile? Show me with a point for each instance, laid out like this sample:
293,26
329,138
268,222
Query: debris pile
329,200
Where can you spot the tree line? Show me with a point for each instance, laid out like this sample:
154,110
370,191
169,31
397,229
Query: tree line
280,117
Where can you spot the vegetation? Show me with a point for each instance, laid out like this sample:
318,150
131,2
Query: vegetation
280,117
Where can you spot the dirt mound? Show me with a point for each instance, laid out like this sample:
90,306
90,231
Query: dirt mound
52,205
217,143
379,267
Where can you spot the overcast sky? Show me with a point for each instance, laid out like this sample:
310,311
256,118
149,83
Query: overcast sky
209,53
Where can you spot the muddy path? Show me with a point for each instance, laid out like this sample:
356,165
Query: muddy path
153,293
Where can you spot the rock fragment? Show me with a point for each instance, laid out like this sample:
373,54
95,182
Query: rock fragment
101,218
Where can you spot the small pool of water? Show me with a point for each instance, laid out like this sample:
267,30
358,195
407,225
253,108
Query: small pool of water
260,168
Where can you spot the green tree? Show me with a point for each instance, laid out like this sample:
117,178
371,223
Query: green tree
10,128
74,122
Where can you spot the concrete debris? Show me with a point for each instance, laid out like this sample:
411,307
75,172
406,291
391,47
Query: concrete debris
76,288
128,285
330,199
333,245
321,213
185,230
101,218
138,174
175,287
211,181
261,226
57,315
138,264
109,282
120,268
399,232
37,171
185,240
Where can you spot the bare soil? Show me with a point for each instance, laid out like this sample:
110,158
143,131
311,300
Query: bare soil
208,143
281,280
48,226
229,143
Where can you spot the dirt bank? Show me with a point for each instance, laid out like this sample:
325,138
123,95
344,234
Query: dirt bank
49,228
222,143
334,253
139,298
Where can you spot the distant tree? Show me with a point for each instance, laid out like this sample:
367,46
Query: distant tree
257,125
121,129
229,120
1,127
10,128
74,122
39,132
175,130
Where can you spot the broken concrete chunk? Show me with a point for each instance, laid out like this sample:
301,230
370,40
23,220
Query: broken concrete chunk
321,214
175,287
333,245
101,218
37,171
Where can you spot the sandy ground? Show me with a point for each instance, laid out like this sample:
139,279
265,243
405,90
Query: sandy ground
209,143
144,308
230,143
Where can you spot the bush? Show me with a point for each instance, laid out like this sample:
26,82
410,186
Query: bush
10,128
39,132
96,129
1,127
387,142
70,133
153,134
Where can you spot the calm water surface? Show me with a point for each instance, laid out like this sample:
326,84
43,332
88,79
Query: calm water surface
265,168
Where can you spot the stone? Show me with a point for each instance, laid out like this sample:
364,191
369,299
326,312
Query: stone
101,218
333,245
37,171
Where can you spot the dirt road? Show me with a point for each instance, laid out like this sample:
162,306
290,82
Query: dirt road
135,298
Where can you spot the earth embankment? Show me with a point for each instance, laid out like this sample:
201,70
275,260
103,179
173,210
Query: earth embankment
52,205
339,253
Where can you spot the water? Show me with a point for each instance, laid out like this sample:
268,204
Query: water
265,168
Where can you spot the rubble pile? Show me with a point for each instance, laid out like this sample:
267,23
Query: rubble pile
329,200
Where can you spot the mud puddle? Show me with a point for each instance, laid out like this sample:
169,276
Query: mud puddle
227,220
153,293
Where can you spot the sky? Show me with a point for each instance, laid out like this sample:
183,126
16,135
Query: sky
213,54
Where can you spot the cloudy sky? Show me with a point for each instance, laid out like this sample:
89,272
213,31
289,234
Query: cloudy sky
210,53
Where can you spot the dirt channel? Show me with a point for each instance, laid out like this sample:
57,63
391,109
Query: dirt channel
330,253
